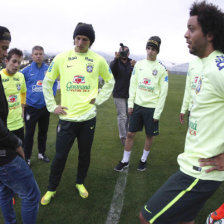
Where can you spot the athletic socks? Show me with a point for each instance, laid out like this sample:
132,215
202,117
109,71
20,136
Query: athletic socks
126,156
144,155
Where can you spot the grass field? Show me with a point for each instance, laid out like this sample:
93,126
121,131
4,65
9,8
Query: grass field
68,208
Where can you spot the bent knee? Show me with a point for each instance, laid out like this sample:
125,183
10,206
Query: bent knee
131,134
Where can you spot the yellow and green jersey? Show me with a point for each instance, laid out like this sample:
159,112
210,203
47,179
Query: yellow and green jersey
79,74
193,76
149,86
206,123
15,89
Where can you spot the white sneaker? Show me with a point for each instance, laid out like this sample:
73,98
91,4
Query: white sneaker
43,157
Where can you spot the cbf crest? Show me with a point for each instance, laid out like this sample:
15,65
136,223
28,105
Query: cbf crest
89,68
155,72
198,88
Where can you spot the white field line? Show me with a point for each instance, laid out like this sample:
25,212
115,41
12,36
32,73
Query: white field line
116,206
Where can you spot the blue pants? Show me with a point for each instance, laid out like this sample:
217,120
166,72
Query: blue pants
17,177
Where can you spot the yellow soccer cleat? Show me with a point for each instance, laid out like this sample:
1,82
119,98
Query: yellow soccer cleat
46,199
82,190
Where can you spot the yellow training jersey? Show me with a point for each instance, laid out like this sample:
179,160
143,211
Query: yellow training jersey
149,86
206,123
79,73
14,86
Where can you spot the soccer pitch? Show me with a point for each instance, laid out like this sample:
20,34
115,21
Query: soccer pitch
69,208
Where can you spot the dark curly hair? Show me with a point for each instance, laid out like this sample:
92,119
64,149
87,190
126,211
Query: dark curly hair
211,19
14,51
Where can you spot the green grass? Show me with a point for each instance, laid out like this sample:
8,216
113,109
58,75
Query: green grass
68,208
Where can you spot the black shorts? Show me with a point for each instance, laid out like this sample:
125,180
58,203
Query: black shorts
143,116
179,199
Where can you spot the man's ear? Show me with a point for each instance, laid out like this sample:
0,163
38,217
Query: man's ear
210,36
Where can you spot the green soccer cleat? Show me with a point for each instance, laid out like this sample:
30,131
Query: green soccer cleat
46,199
82,190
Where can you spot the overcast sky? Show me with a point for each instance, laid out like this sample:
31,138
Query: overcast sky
51,23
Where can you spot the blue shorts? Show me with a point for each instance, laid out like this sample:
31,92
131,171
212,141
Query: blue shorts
179,199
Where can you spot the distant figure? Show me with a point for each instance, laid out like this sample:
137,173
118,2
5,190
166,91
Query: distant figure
15,91
79,70
184,194
147,95
15,175
122,67
35,110
193,77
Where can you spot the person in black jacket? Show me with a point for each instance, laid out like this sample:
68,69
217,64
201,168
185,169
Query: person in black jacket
15,174
122,67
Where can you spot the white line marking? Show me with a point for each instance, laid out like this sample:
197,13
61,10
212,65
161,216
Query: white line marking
118,199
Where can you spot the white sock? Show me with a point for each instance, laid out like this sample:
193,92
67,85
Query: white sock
145,155
126,156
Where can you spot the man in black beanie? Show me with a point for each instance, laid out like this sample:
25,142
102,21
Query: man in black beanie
155,42
147,96
85,30
15,175
79,70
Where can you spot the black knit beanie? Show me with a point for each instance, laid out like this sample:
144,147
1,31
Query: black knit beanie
155,42
85,30
4,33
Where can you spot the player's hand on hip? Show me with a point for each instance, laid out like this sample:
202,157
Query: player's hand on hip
60,110
216,163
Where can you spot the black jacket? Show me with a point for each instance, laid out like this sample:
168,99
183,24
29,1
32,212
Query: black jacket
122,74
8,141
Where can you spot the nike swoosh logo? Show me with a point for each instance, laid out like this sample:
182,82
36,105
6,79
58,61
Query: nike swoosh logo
147,210
91,128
